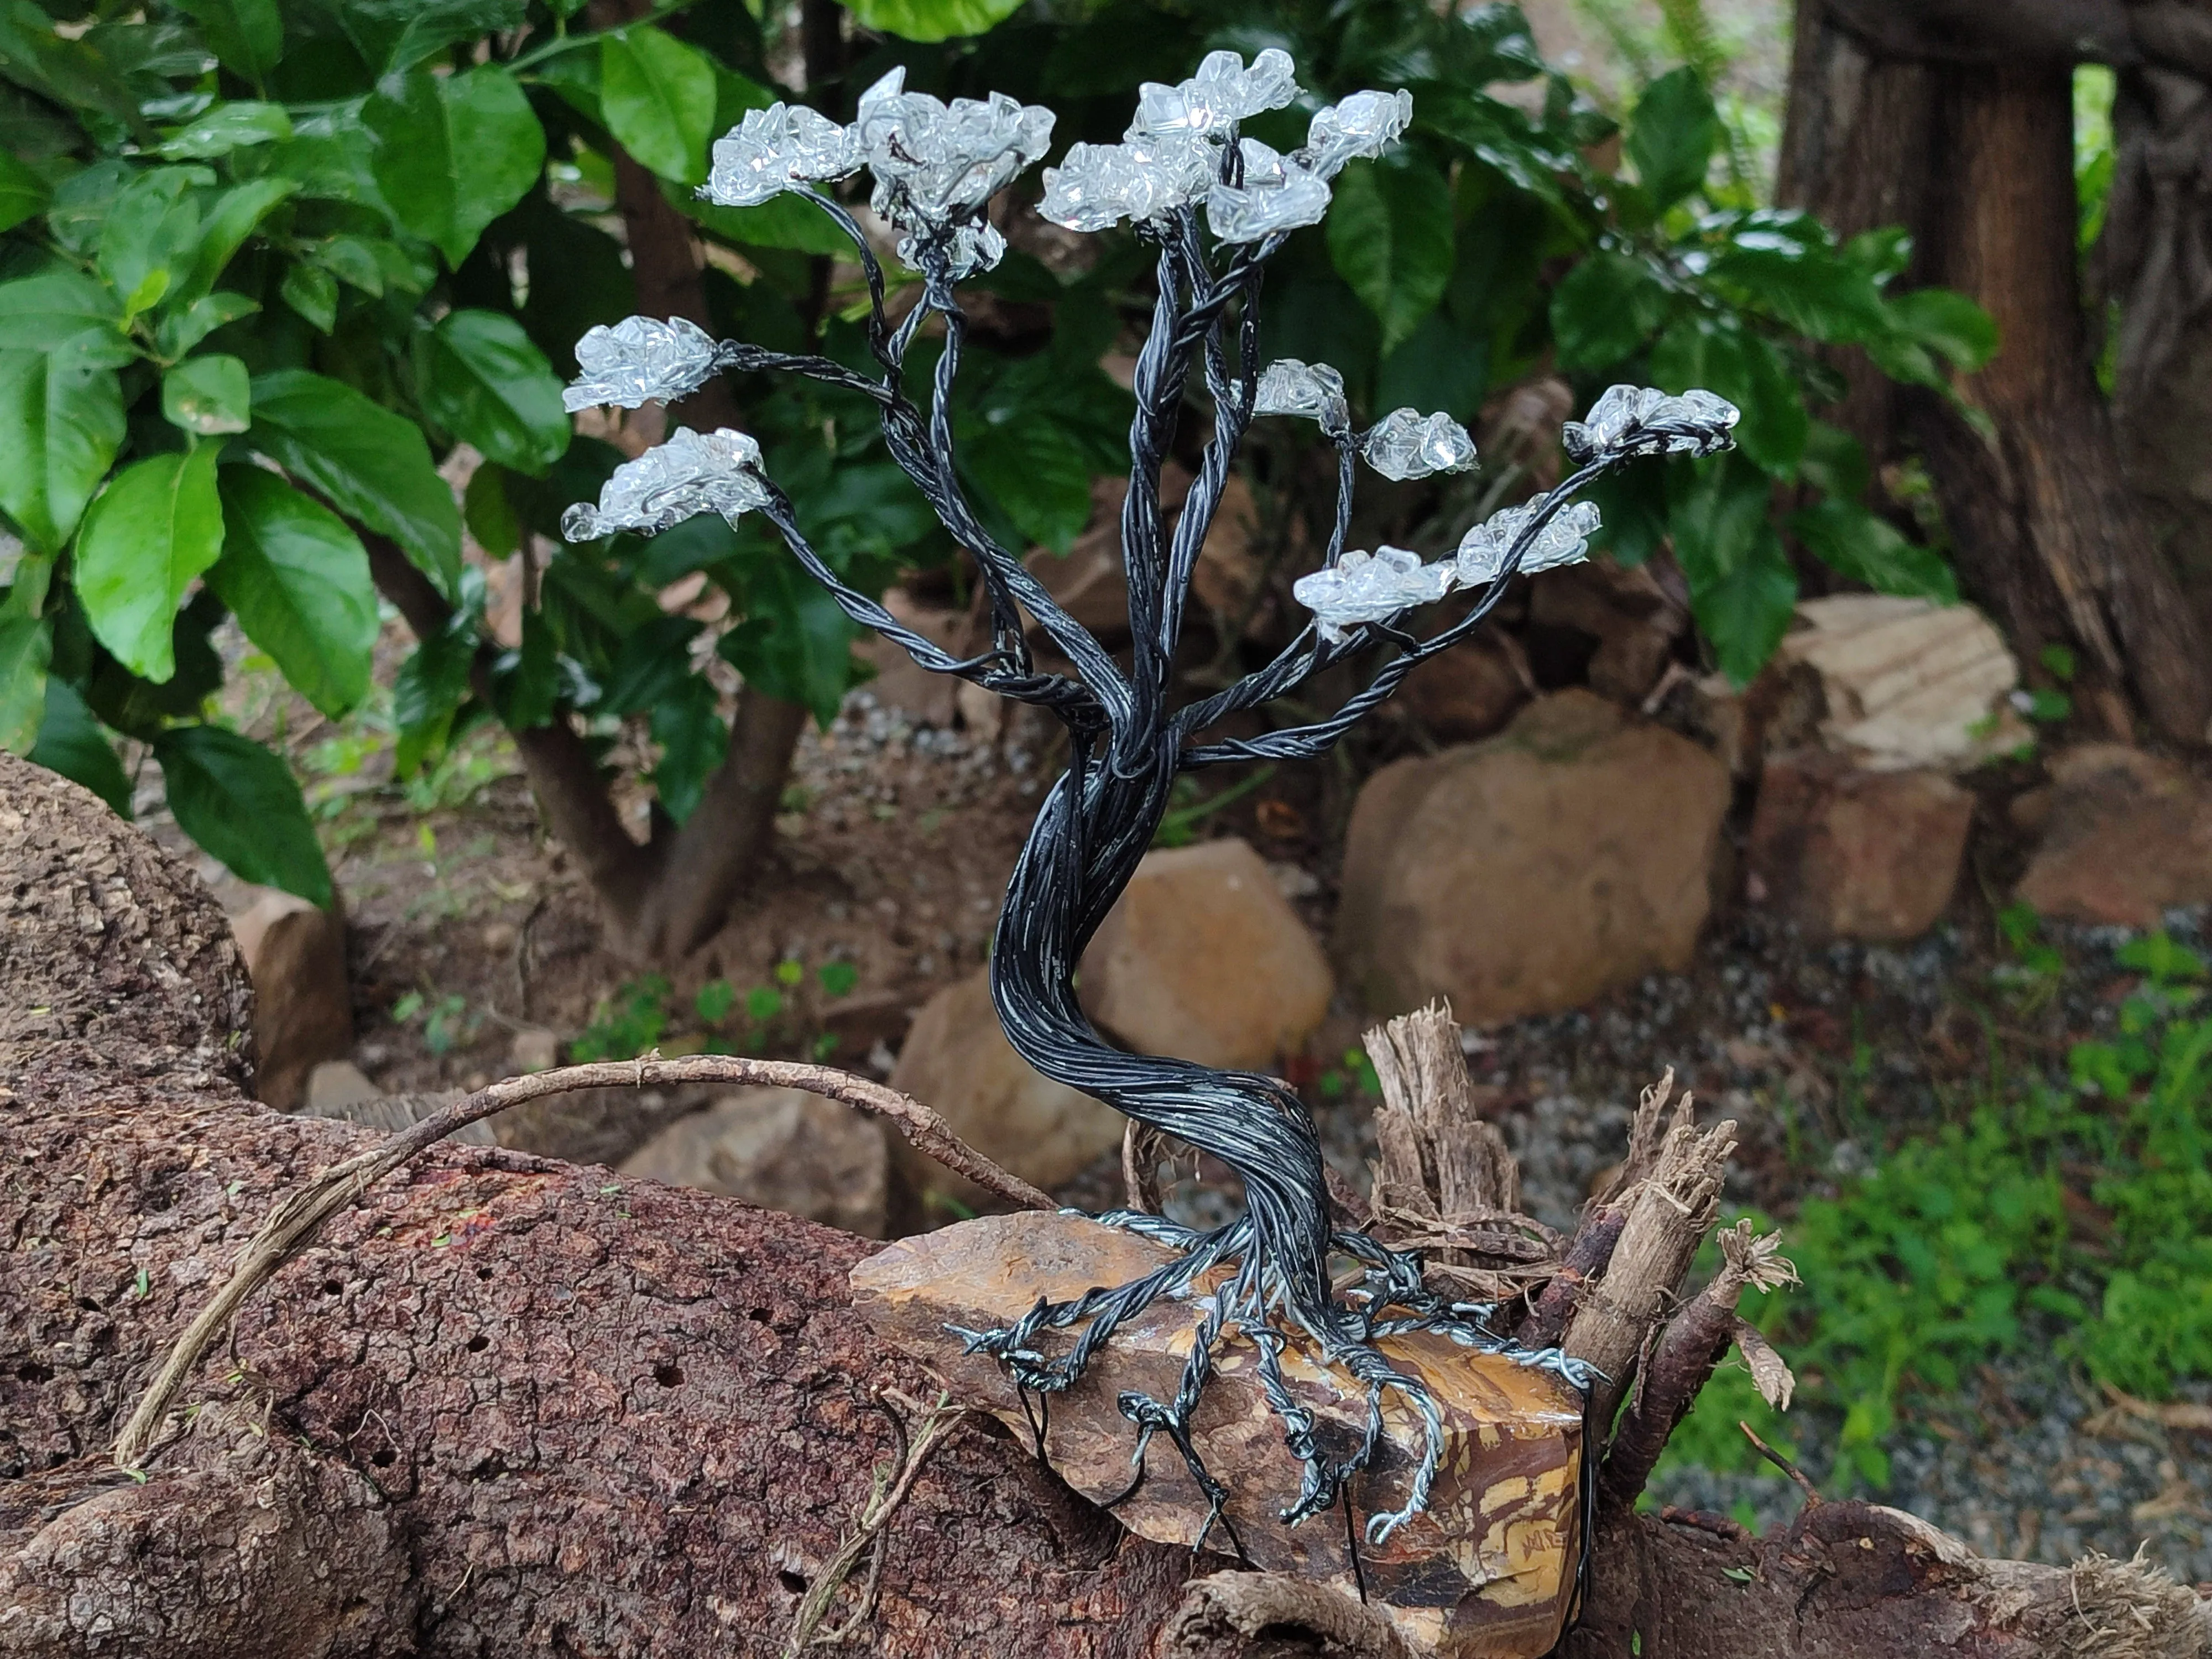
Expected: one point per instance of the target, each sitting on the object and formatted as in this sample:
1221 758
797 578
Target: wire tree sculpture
1218 206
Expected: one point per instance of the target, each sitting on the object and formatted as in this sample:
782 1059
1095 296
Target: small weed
447 1024
772 1018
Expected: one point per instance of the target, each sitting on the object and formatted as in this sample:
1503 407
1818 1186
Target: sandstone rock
1849 853
335 1085
1634 621
303 1002
533 1049
1571 853
2125 834
1487 1573
339 1089
781 1149
1202 959
903 685
957 1060
1470 690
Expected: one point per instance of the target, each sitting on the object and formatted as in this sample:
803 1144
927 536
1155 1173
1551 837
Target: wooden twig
299 1215
1812 1493
1140 1166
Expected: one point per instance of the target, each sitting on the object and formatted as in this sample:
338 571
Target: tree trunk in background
1976 159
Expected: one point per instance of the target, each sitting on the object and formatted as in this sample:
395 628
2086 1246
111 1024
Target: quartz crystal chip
1407 444
1364 588
774 148
969 248
1277 194
1096 185
1365 123
693 472
1640 421
1223 92
937 164
1565 540
1314 391
641 360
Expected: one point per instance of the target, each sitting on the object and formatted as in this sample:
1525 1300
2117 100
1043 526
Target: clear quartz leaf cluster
1484 550
1277 194
1632 420
1363 587
937 164
1095 186
1313 391
641 360
693 472
1223 92
775 149
1407 444
1365 123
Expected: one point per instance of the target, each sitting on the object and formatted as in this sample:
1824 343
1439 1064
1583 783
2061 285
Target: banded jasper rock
1488 1572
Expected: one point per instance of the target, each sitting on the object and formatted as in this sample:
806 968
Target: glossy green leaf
27 650
152 235
795 643
488 511
246 35
1742 590
1437 367
426 695
72 742
178 332
313 294
1605 309
151 531
1949 323
1673 136
781 222
527 691
23 194
61 425
236 214
1820 294
370 464
1390 237
1719 355
656 98
453 152
297 580
227 127
426 27
354 260
208 396
692 740
1835 463
1037 475
239 802
1849 539
39 312
482 379
934 19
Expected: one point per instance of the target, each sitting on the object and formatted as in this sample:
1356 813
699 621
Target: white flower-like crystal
1223 92
1632 420
1314 391
1277 194
1364 588
1407 444
1565 540
693 472
1096 185
641 360
937 164
775 148
969 248
1365 123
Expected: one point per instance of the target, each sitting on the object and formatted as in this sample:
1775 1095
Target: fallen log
505 1406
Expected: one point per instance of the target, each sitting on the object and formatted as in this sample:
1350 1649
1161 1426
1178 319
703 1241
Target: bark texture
513 1406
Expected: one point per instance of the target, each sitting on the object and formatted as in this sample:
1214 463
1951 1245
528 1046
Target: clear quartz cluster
1565 540
641 360
1363 588
1365 123
937 164
693 472
1313 391
775 150
1632 420
1277 194
1407 444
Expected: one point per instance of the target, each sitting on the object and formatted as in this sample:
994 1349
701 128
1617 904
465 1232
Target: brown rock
1631 617
901 684
1089 581
302 1003
1569 854
1488 1572
781 1149
2125 836
957 1060
1470 690
1852 854
1202 959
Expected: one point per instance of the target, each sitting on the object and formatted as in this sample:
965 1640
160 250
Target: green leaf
27 650
37 313
453 152
1849 539
1816 293
656 98
72 742
246 35
781 222
152 235
1037 475
297 579
312 293
427 28
372 464
178 332
1438 367
354 260
489 512
1947 322
23 194
1606 308
1742 591
239 802
1390 237
934 19
692 740
1835 464
61 425
208 396
427 694
1720 355
1673 136
227 127
151 531
236 214
481 379
793 644
527 692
